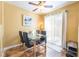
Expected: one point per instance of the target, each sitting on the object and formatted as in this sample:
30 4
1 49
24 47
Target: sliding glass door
53 27
57 29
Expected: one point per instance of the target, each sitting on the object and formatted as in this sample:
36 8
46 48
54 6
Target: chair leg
34 49
39 48
45 49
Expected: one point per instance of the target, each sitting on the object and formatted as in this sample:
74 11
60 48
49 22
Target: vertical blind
55 26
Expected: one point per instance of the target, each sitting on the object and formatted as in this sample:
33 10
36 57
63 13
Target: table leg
45 49
34 49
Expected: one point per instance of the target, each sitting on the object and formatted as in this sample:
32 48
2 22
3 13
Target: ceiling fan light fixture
41 7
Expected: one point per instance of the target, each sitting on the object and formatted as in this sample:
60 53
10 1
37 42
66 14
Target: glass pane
48 27
58 29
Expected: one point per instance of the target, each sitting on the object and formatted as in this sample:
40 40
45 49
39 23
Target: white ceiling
41 10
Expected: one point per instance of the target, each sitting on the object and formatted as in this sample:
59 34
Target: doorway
54 29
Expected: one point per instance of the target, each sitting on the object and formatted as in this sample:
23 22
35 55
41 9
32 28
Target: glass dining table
34 39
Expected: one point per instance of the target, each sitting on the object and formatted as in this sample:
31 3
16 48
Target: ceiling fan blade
37 4
32 3
48 6
35 9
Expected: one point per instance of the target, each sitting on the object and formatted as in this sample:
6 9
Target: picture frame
27 20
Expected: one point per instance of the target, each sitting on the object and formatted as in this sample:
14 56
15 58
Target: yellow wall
40 22
13 23
1 27
0 12
72 28
72 22
0 23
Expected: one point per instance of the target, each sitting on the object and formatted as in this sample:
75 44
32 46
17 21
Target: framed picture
27 20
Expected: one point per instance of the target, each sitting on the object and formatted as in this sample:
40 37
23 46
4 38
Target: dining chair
43 32
43 40
21 37
29 43
38 31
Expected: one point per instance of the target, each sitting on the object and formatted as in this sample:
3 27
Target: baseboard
9 47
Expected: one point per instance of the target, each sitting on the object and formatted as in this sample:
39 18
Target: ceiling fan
40 3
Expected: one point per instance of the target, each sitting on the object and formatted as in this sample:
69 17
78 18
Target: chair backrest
38 31
21 36
43 32
43 38
26 39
